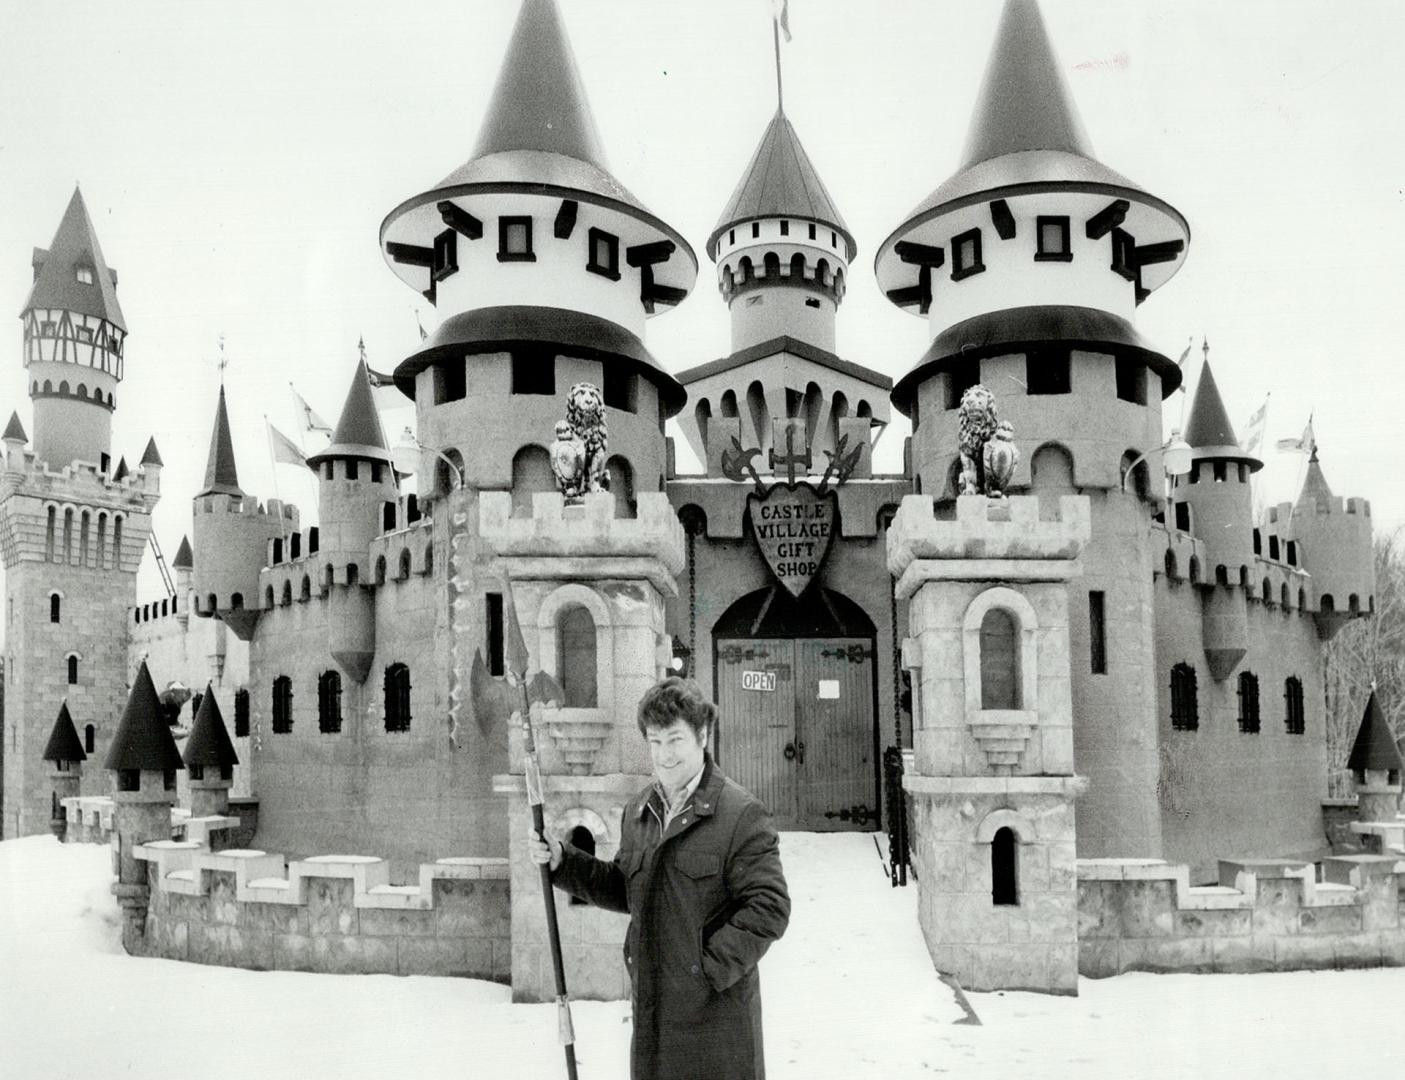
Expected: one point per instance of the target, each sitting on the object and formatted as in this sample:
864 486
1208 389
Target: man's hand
542 851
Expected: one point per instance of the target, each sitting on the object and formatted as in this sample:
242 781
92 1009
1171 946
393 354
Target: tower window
515 239
966 254
446 254
963 375
755 229
621 389
397 698
84 274
1097 632
450 381
329 702
241 714
1131 380
353 469
1053 240
72 670
533 373
1004 868
812 230
1185 707
1294 719
785 228
576 657
282 705
55 607
89 738
1248 703
731 236
1000 668
604 254
495 625
833 239
1048 371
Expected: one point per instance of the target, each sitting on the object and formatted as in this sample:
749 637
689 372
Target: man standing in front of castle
699 873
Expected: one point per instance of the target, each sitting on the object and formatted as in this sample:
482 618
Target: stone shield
793 525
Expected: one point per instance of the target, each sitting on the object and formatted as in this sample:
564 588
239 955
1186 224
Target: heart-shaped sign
793 525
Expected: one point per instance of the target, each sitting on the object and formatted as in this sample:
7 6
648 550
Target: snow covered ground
848 993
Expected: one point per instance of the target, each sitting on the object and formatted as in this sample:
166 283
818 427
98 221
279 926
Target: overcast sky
238 160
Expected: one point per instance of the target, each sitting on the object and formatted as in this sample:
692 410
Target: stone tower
1028 264
72 530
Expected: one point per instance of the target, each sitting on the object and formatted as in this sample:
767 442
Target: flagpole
776 37
273 467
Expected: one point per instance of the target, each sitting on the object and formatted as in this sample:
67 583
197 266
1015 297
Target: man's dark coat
705 901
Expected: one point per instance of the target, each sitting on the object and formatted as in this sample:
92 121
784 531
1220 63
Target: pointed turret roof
359 433
1375 747
151 456
1315 486
56 283
209 740
221 476
143 739
64 744
14 430
781 181
184 560
1208 430
120 473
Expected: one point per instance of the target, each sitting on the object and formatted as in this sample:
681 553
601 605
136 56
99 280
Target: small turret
1376 765
15 440
73 342
64 751
209 759
1333 539
357 480
151 466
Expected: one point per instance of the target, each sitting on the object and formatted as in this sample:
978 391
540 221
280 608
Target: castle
1119 661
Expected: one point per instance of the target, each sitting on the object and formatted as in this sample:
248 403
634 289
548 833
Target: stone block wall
1266 915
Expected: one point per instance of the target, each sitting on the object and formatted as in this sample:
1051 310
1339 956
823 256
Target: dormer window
1053 240
604 254
515 240
446 254
966 255
84 275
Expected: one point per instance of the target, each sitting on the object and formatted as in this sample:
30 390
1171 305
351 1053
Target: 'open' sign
759 680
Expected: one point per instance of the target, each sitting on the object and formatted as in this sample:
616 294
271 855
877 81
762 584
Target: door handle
800 751
790 751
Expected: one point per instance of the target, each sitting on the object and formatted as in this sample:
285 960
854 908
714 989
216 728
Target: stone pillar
139 817
65 783
209 796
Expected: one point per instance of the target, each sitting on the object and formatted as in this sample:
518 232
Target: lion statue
585 417
976 424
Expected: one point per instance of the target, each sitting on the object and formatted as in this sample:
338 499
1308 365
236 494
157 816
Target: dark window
1183 516
785 228
812 230
1185 706
1000 667
1248 703
1004 869
1053 240
1097 632
128 779
72 670
731 236
55 605
1047 371
446 254
353 471
375 479
451 383
1258 542
604 254
1217 469
533 373
620 389
755 229
495 628
1131 380
1294 719
282 705
833 239
241 714
1292 546
329 702
576 658
966 254
327 470
397 698
515 239
89 738
1273 548
963 375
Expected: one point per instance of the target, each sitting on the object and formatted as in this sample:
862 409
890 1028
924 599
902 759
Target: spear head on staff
495 700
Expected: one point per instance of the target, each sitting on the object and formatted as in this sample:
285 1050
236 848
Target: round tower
1333 537
546 269
356 480
781 248
73 343
64 752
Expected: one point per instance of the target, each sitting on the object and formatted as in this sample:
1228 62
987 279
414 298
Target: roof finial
780 21
1205 349
361 347
223 360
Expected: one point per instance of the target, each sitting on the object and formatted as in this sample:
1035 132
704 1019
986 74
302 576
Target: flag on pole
307 416
1185 355
1254 429
420 325
1303 444
781 13
284 449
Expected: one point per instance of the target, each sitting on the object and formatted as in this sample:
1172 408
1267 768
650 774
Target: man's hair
673 699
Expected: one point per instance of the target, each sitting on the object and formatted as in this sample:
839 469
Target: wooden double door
796 728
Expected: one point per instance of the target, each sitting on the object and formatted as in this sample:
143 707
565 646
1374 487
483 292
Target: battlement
248 506
292 547
987 530
1337 504
587 530
1183 555
149 619
80 481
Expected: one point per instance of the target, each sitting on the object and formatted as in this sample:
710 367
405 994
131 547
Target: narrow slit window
1185 708
966 254
282 705
329 702
1295 720
495 627
1004 868
1248 703
1053 240
1097 632
241 714
604 254
397 698
515 239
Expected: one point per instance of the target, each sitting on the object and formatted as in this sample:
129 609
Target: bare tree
1368 652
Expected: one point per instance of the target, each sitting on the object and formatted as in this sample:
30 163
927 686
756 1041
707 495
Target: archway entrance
796 686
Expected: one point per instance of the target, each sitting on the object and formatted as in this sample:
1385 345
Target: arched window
771 263
55 607
282 705
117 542
83 539
531 474
1267 595
287 596
329 702
268 597
429 558
746 268
72 670
380 570
1194 570
797 267
353 573
90 735
305 588
1248 703
759 412
1004 868
1051 469
838 410
241 714
397 698
622 487
1294 719
1185 705
1284 596
49 535
236 601
1000 675
583 840
68 536
701 415
404 563
1171 569
575 644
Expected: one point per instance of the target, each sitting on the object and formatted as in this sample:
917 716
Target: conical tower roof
1315 486
120 473
14 430
781 181
221 476
359 433
56 283
1208 430
209 739
143 739
64 744
1375 747
151 456
184 559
